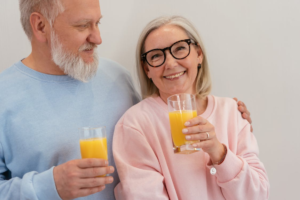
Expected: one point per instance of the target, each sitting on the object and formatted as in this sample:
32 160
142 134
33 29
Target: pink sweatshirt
148 168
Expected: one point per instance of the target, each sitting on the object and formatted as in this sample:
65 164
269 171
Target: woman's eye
155 56
180 48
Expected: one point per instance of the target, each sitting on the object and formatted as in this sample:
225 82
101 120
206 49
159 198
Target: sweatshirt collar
41 76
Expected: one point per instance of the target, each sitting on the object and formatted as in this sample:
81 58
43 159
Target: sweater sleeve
242 175
138 167
31 186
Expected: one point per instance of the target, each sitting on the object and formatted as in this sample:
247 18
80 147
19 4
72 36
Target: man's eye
83 26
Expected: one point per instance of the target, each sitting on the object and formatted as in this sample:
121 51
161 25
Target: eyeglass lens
178 50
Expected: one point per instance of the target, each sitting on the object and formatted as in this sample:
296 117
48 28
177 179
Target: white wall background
253 52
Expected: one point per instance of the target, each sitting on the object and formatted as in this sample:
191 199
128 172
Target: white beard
72 64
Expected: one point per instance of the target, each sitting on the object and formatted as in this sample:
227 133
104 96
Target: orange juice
177 120
94 148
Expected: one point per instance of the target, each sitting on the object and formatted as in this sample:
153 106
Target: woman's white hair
50 9
148 88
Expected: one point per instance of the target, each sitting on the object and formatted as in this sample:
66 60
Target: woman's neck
201 105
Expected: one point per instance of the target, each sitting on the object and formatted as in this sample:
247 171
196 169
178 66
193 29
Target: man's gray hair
50 9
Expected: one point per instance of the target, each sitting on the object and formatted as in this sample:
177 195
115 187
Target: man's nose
95 36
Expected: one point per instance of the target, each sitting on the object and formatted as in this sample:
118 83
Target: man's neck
42 62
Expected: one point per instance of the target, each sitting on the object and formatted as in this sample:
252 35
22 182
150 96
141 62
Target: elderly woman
142 146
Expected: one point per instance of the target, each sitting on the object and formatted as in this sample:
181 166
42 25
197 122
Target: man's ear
39 26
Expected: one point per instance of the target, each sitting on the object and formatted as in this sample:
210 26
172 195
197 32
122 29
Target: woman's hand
199 128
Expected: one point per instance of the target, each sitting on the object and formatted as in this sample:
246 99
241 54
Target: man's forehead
80 8
80 3
79 11
85 19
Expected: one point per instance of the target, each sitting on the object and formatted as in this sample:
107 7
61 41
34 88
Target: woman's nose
170 61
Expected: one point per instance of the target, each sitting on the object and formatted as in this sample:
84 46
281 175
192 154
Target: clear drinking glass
93 143
182 107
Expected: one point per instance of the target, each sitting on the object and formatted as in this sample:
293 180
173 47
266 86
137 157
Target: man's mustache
88 46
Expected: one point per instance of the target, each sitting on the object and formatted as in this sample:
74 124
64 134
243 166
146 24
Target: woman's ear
146 69
200 54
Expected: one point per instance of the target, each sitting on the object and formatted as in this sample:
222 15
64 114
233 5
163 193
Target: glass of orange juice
93 142
182 107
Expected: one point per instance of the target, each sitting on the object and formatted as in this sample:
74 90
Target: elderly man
48 95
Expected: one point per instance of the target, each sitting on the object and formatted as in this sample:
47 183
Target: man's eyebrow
86 20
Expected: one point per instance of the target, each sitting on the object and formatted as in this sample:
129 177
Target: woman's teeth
175 76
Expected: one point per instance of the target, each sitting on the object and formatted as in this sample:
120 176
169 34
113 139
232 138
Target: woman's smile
175 76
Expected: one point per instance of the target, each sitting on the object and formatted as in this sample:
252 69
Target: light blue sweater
40 117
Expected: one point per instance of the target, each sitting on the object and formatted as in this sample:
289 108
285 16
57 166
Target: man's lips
89 51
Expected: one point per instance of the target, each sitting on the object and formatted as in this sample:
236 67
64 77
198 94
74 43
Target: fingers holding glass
201 136
182 108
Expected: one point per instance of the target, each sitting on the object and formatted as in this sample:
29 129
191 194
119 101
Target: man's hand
245 113
78 178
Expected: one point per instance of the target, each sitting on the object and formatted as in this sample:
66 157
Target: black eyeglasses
179 50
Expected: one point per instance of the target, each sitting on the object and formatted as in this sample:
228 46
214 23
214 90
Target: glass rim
88 133
91 128
179 94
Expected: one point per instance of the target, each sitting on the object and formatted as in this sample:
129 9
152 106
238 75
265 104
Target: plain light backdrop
252 49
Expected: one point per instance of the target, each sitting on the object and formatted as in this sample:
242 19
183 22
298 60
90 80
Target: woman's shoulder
225 101
225 105
142 112
227 109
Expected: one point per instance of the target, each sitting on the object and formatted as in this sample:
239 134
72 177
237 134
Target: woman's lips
174 76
